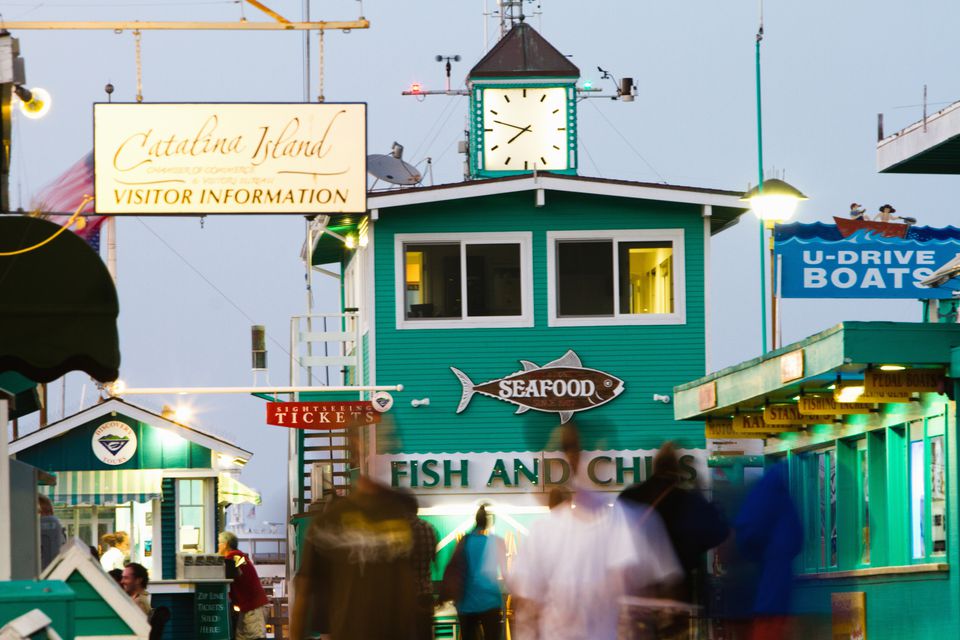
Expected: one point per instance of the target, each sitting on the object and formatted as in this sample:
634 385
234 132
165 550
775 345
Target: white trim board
75 556
522 238
679 315
482 188
115 405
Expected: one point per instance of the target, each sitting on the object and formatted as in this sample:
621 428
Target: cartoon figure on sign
563 386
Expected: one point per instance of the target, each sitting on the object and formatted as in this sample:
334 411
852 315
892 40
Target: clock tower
523 108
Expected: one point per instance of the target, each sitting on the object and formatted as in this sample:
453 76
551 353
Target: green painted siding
182 624
168 529
94 617
73 451
650 359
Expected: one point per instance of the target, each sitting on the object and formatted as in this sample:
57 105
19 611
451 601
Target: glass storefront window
864 514
917 491
91 523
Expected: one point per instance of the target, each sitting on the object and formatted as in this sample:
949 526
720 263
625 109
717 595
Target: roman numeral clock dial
525 129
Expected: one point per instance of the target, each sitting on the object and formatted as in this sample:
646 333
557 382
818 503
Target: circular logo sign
114 442
381 401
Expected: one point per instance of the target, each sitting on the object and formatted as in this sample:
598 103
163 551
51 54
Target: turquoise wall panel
94 617
168 529
650 359
156 449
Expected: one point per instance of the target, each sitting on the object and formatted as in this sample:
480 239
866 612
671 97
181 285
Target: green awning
58 304
24 390
105 488
232 491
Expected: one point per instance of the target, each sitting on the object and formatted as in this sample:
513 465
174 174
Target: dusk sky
189 291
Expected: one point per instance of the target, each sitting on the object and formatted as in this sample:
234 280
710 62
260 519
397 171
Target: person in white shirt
114 549
572 570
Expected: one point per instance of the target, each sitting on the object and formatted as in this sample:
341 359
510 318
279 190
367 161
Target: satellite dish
392 168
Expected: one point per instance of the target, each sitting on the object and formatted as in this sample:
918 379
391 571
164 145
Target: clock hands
521 131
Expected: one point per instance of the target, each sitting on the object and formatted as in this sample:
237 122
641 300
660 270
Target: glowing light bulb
38 105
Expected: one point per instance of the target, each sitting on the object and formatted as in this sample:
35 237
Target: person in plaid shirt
422 558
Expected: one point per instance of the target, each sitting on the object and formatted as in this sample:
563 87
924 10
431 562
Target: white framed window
616 277
463 280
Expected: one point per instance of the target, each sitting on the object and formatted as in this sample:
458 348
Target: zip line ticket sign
199 159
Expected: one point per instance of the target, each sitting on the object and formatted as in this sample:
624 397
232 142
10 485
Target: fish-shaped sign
563 386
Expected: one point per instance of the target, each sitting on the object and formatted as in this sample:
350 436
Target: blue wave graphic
830 233
862 239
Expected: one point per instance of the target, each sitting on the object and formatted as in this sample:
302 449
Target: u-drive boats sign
563 386
180 159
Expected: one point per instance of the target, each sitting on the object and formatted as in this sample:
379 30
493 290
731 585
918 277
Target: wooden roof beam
344 25
267 10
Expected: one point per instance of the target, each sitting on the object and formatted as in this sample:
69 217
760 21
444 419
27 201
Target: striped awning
232 491
113 487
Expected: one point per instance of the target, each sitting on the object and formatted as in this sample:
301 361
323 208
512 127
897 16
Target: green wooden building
874 475
525 270
120 467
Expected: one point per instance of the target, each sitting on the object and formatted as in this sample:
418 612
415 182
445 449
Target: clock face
525 129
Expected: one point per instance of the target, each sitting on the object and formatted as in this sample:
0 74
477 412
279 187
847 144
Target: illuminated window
464 280
616 277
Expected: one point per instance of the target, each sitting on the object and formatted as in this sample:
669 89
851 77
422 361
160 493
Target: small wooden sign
722 428
876 396
906 381
827 406
708 396
791 366
849 615
321 415
786 415
754 423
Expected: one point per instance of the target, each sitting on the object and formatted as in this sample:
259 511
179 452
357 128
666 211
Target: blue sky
829 69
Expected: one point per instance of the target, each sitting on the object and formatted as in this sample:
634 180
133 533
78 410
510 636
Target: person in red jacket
246 593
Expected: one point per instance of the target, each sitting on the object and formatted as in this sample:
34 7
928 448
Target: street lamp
34 103
775 202
772 201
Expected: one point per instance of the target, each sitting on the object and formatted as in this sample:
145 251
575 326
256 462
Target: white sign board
527 471
114 442
183 159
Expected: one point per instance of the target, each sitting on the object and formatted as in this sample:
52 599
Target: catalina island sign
563 386
183 159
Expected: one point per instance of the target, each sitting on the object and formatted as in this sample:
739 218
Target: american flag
59 200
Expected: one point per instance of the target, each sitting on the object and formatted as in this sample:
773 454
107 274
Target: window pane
433 280
832 458
864 503
646 277
493 280
822 507
585 278
917 498
938 496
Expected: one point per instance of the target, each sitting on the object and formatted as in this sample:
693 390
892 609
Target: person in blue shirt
480 608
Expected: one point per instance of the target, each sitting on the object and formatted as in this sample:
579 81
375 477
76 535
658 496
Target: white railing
320 341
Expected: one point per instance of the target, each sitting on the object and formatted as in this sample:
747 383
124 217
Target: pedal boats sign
183 159
563 386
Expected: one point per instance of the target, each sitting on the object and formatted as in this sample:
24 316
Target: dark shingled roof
524 52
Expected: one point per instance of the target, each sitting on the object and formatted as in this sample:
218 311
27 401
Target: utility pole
11 74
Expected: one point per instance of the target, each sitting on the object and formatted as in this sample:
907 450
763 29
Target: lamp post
772 201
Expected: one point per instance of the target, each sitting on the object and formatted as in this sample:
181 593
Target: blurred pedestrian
572 571
116 574
114 548
134 581
422 557
356 580
480 606
246 593
693 524
769 533
52 534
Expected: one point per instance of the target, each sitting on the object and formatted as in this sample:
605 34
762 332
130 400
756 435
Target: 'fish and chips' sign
182 159
563 386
